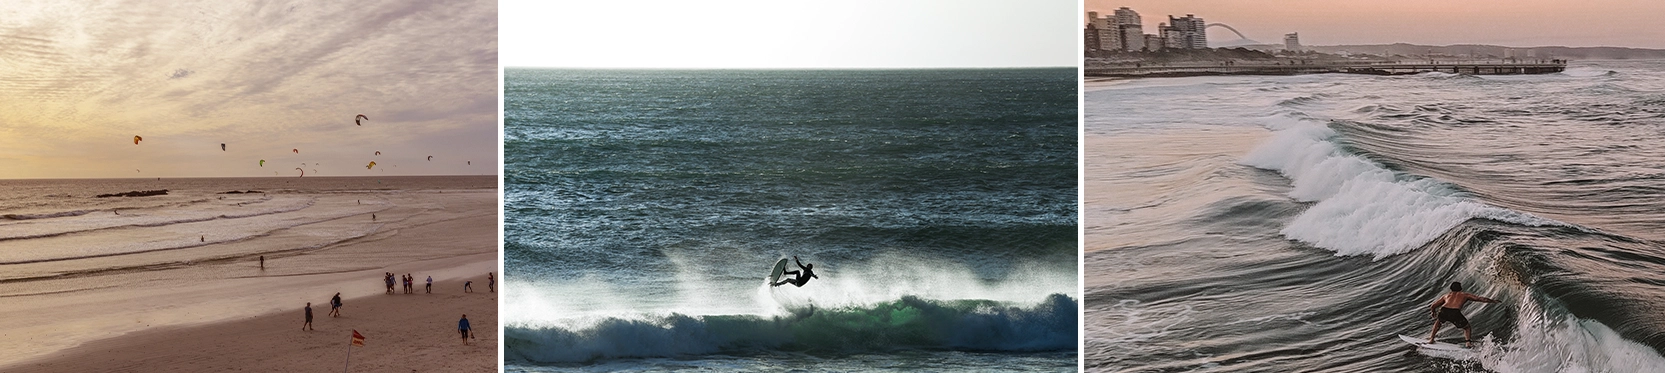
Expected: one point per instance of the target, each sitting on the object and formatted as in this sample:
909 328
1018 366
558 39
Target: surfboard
780 267
1423 343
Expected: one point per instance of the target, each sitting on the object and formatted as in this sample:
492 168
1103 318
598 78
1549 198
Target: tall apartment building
1292 41
1130 29
1188 32
1101 34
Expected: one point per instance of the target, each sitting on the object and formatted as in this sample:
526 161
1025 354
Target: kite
358 118
297 151
262 163
136 139
378 152
470 163
430 158
303 172
371 165
222 147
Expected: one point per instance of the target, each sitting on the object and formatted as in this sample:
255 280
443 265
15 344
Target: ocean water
644 209
1300 223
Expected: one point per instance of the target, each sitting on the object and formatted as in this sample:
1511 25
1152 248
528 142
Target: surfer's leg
1468 337
1436 330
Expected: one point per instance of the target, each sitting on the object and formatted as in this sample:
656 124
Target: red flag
358 339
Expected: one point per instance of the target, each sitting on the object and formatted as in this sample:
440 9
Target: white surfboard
780 268
1423 343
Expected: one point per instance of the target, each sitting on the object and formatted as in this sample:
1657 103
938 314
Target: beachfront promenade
1131 70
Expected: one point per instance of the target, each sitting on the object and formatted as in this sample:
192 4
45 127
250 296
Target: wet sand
403 333
153 316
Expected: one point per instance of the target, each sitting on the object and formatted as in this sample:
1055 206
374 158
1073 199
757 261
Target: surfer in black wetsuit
1449 308
801 278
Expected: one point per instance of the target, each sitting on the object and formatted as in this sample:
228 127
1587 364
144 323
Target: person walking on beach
1449 308
430 287
389 280
462 327
335 305
308 324
468 286
491 282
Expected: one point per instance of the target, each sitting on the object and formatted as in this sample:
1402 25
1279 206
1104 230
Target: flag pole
349 355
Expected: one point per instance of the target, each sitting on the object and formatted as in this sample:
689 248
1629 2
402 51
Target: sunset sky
790 34
80 79
1515 23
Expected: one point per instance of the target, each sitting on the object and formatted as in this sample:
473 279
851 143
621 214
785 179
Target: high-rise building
1292 41
1153 42
1130 29
1186 32
1101 34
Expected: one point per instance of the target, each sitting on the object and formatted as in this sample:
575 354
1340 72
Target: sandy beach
211 307
403 333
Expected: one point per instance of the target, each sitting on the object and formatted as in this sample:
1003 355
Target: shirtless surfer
801 277
1449 308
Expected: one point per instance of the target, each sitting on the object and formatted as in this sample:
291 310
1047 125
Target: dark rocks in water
136 193
242 192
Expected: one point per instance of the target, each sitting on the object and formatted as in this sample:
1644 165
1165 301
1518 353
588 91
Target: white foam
1544 343
1363 208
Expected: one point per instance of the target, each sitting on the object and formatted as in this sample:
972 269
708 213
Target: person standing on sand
430 287
389 280
308 324
1449 308
491 282
468 286
462 327
262 262
335 305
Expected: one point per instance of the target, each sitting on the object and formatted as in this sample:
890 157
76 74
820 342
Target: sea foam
1361 207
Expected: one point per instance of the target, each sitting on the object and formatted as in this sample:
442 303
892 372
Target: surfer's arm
1481 299
795 260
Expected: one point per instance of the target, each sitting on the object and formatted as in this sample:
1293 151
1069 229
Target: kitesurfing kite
136 139
262 163
297 151
303 172
359 118
470 163
430 158
222 147
378 152
371 165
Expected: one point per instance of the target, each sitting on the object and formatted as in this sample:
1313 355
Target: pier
1371 68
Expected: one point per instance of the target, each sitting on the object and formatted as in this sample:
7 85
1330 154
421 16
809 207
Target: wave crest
906 323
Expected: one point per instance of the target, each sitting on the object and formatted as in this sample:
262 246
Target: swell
162 223
908 323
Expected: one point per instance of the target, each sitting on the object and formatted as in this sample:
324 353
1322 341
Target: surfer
801 277
1449 308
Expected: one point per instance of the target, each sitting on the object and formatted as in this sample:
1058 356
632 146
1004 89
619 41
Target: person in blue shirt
462 327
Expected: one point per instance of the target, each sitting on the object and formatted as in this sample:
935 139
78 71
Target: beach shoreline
402 332
323 238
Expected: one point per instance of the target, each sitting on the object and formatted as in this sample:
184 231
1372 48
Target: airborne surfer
801 277
1449 308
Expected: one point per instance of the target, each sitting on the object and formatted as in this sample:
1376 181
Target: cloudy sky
790 34
1515 23
79 79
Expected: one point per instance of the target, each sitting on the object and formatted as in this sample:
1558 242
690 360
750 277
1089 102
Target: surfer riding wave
801 277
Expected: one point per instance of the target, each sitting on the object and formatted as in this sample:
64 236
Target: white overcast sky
790 33
78 79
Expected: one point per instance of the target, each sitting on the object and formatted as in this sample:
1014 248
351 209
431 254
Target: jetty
1370 68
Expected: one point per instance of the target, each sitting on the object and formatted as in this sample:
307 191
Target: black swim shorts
1454 316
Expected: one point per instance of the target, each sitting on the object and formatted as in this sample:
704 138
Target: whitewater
1301 223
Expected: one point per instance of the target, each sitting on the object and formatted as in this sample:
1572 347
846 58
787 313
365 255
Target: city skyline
279 82
1531 23
790 35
